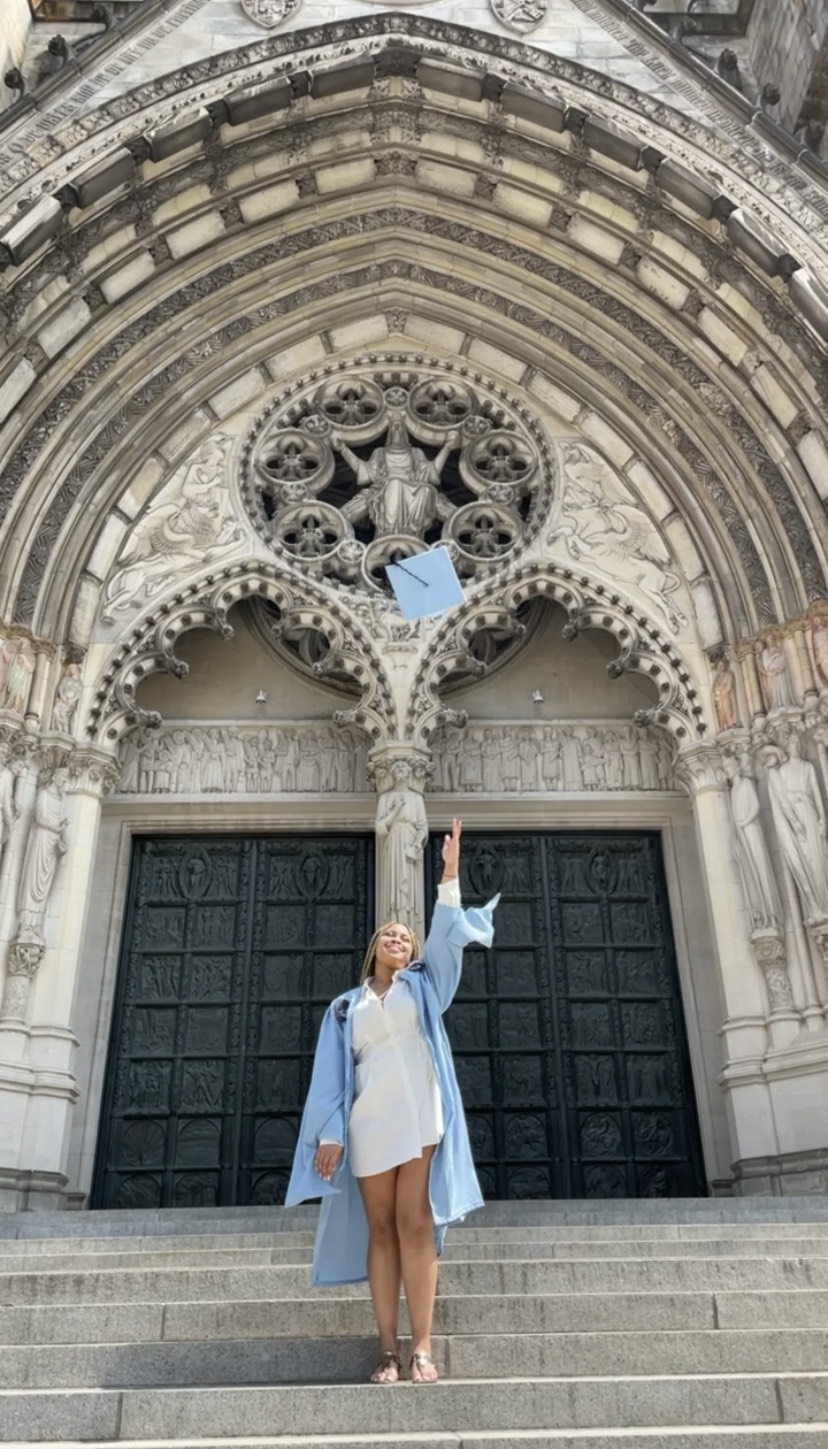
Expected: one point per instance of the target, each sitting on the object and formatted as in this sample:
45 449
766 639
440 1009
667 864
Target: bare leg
418 1256
379 1197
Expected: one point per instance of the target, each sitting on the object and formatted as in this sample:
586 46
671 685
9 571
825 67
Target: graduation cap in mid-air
425 584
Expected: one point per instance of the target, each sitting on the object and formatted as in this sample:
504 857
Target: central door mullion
558 1067
238 1165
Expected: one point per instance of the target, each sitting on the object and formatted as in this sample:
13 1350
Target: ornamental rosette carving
387 459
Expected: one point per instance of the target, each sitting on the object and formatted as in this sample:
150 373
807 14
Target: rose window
384 460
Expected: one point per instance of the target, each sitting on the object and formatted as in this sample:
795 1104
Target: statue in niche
799 817
67 698
403 831
723 690
44 848
761 891
8 807
188 524
819 648
402 482
773 671
19 658
604 526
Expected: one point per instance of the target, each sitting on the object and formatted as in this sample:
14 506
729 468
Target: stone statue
66 699
402 482
819 649
8 809
724 704
799 817
761 891
44 848
773 669
19 671
402 828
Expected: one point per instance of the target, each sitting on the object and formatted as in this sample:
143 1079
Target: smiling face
394 948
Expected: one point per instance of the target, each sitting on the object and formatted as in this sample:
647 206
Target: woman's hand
451 851
326 1159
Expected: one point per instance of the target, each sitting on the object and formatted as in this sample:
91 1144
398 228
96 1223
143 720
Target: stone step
623 1212
455 1406
289 1282
349 1359
322 1316
724 1436
300 1254
719 1233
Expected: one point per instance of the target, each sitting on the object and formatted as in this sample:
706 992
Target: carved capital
399 766
24 958
769 950
819 931
93 772
699 768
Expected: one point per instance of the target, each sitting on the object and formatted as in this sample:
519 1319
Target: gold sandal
421 1359
390 1358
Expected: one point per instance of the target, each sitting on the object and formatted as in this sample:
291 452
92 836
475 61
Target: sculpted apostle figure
44 848
402 481
724 704
403 831
761 891
773 668
8 809
799 817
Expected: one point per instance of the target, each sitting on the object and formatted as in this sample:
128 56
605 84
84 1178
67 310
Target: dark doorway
232 950
569 1034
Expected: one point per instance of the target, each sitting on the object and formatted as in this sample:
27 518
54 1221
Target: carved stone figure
19 670
819 649
773 670
402 481
799 817
8 808
44 848
630 764
648 757
604 525
188 524
402 829
724 702
761 892
66 699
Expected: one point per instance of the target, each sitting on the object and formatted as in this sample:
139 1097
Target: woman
383 1138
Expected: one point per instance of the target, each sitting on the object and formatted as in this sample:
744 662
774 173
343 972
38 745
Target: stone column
400 772
41 984
744 1031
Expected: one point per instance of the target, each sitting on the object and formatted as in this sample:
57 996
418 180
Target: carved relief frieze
189 523
601 524
530 759
230 759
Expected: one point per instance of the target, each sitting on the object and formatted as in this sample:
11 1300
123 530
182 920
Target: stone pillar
400 773
744 1031
38 1088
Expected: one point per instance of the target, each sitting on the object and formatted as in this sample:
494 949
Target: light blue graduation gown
341 1247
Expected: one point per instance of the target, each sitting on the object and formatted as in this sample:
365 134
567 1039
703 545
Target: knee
414 1227
382 1229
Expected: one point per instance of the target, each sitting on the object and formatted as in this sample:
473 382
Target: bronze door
233 947
568 1035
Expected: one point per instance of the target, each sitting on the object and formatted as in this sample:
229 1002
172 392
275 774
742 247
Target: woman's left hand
451 851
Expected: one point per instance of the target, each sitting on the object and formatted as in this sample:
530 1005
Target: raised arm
452 928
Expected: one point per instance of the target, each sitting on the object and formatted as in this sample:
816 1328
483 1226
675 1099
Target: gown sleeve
324 1114
452 928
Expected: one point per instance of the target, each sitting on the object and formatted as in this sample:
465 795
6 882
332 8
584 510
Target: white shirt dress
397 1108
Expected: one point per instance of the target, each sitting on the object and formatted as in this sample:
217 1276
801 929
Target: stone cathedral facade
291 291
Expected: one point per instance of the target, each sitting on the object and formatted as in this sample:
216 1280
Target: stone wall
785 42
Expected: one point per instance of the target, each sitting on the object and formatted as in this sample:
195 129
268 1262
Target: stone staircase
643 1325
